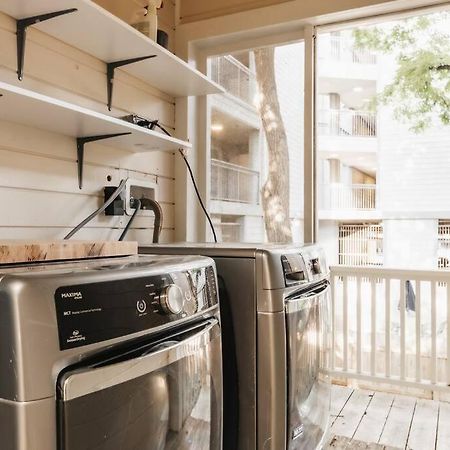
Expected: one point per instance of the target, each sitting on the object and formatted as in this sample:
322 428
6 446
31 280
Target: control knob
172 299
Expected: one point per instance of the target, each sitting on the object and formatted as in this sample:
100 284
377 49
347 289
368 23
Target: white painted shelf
99 33
46 113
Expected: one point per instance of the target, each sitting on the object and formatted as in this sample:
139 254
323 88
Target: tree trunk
275 192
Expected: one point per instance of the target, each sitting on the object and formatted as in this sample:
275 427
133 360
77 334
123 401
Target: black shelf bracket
21 31
112 66
81 141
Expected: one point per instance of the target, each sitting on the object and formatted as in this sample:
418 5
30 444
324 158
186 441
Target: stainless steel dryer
111 354
275 325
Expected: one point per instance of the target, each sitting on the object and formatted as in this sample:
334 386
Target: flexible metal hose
153 205
114 195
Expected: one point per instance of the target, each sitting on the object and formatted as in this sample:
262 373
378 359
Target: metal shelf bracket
112 66
21 31
81 141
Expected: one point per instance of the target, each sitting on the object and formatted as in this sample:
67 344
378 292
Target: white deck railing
234 183
236 78
347 197
391 326
336 122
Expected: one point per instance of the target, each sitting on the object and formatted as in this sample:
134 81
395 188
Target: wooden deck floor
376 420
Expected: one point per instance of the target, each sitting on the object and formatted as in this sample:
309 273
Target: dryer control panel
90 313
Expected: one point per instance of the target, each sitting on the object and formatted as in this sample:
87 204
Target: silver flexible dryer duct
153 205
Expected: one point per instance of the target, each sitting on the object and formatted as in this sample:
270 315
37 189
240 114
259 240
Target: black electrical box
116 208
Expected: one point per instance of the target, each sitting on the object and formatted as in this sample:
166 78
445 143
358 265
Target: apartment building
373 173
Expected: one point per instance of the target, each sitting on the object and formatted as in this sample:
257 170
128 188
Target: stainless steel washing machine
276 343
121 353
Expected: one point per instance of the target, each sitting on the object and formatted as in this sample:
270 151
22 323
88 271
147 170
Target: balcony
342 49
236 78
335 122
347 131
444 244
229 231
348 202
390 325
389 332
234 183
374 420
339 59
337 196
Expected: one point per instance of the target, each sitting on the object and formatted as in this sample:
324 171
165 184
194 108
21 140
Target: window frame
193 114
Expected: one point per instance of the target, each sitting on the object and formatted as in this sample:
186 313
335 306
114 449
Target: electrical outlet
137 189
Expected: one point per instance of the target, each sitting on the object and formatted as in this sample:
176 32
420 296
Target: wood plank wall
39 195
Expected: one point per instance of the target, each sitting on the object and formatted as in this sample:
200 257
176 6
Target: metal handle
89 380
298 302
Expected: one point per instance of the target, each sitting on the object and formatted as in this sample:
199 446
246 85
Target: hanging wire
137 205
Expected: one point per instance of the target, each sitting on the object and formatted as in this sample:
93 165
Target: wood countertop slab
20 251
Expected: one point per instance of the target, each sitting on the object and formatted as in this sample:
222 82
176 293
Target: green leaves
420 90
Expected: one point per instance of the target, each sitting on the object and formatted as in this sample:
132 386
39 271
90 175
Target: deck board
339 397
398 423
374 421
347 423
424 425
443 432
380 421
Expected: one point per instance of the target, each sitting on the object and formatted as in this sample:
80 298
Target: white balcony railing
361 244
337 196
340 48
236 78
230 231
336 122
234 183
444 244
391 326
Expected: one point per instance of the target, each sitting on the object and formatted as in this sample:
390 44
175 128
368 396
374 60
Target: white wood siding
38 173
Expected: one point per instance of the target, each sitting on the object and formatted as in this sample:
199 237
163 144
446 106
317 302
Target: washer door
161 396
307 327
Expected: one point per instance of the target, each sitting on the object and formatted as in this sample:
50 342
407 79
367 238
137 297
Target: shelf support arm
21 31
81 141
112 66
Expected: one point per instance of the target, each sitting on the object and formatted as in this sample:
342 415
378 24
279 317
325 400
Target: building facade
378 204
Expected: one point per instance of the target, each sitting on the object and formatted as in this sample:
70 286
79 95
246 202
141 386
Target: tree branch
440 67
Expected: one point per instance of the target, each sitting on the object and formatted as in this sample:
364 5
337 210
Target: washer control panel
90 313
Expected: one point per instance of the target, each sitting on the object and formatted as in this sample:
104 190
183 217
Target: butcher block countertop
18 251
